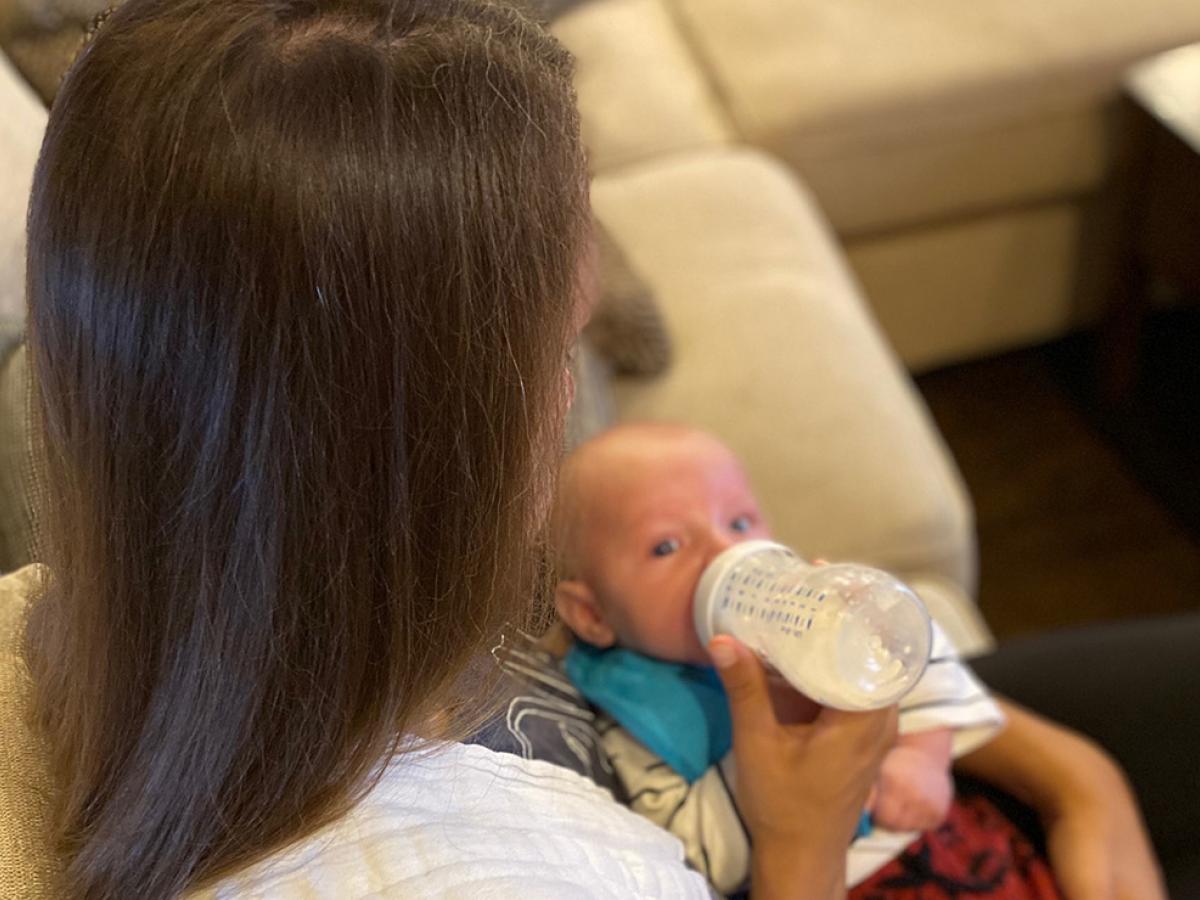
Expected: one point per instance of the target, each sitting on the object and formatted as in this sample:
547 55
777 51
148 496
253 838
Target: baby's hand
914 790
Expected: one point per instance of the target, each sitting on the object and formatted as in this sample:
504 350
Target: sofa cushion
776 353
900 112
21 127
951 291
641 92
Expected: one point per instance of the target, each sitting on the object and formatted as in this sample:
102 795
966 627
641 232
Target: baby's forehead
634 452
633 443
645 465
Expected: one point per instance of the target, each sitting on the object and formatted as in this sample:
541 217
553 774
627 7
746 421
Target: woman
301 287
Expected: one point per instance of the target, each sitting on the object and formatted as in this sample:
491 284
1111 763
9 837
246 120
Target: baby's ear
576 605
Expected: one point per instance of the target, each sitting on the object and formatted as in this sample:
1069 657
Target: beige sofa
958 149
773 344
781 170
776 351
775 347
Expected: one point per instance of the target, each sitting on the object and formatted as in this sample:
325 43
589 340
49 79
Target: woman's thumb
745 682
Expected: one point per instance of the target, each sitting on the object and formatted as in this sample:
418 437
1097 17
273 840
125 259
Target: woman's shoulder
29 867
16 589
461 818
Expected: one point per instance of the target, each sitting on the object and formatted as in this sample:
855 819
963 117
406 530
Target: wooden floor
1081 517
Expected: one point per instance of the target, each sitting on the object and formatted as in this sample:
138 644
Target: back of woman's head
301 277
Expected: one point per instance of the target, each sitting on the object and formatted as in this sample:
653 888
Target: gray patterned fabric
544 716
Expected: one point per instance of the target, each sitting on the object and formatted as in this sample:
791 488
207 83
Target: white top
455 822
465 821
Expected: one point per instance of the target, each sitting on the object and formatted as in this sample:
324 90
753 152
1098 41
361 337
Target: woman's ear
576 605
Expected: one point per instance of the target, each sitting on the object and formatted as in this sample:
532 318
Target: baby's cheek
690 649
668 633
678 631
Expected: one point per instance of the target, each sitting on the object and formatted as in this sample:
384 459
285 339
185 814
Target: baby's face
669 506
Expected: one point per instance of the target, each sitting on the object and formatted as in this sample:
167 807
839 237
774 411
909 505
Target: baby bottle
847 636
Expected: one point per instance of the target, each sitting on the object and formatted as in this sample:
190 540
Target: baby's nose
718 542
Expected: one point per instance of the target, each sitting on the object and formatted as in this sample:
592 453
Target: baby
642 510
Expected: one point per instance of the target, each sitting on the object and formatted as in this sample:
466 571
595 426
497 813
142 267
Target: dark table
1161 207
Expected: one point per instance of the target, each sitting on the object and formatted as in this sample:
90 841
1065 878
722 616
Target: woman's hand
801 788
1095 838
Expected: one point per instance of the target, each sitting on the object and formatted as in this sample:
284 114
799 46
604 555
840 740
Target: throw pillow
550 10
627 327
43 57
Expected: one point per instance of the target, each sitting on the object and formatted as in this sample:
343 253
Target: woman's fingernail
722 653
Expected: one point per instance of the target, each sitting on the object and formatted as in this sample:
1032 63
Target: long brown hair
300 283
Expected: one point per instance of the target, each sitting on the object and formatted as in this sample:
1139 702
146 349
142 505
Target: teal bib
677 711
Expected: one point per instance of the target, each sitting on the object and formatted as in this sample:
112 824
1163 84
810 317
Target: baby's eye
741 524
665 548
